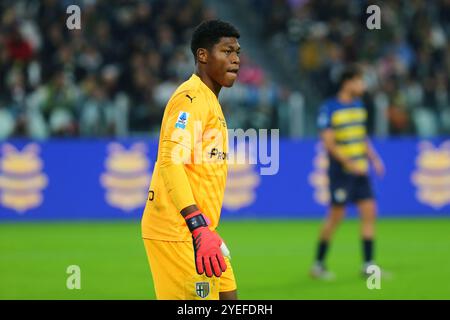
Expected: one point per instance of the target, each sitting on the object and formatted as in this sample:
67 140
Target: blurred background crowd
100 81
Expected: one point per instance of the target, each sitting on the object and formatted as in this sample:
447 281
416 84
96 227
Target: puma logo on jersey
190 97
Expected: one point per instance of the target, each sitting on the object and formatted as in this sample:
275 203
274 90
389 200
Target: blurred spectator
56 101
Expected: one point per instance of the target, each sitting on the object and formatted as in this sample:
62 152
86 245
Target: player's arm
208 245
375 158
177 147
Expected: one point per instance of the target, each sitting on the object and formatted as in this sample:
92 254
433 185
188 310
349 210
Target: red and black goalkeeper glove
207 246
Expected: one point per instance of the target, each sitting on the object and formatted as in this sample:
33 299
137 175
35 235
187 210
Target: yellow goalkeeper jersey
191 166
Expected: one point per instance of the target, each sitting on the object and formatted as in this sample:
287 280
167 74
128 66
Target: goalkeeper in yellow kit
187 257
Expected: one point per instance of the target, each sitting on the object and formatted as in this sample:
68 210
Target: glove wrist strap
195 220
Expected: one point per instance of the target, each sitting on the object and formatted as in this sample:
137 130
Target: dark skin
217 67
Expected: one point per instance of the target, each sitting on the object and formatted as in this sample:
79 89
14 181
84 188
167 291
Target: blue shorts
345 188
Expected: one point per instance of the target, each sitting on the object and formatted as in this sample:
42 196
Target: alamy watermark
374 20
374 277
74 279
73 21
236 147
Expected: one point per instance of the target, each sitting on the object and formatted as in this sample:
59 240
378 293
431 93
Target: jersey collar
197 79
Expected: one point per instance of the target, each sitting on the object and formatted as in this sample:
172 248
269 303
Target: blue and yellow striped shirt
348 122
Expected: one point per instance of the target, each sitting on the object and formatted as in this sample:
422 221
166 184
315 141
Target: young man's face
223 61
357 86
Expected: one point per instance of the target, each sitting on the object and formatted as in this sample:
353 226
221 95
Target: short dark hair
209 32
349 73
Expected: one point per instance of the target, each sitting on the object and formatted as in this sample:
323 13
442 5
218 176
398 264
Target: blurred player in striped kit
342 122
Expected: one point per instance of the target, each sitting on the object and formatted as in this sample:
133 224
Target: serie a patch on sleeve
182 120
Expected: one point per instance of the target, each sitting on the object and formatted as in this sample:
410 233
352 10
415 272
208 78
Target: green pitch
271 260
